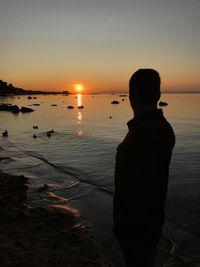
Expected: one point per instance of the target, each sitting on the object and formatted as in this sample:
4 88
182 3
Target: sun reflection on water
79 104
79 133
79 100
79 117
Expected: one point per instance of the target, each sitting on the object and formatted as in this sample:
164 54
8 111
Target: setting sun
78 87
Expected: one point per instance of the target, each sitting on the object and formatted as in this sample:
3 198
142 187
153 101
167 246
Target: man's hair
144 86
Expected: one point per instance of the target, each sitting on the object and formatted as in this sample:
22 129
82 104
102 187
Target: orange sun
78 87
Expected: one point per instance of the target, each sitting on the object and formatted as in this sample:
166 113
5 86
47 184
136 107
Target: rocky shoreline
55 235
51 236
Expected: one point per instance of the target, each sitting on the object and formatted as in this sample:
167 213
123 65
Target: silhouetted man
141 173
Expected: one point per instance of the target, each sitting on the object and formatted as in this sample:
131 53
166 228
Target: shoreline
56 235
52 236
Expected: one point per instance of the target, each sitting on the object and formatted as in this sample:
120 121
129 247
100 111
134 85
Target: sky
52 45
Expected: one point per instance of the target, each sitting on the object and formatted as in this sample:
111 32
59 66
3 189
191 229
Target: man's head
144 88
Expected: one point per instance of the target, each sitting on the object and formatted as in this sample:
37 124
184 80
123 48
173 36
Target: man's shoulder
157 130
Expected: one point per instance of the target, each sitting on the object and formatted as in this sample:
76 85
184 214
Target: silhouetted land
9 89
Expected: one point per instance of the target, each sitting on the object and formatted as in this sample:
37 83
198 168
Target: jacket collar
146 116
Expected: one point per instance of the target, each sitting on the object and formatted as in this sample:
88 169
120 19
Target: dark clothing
141 180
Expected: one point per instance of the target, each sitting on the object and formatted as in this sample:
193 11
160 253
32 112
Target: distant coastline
181 92
7 89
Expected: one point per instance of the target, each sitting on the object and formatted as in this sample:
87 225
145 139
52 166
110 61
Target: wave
170 253
185 244
74 173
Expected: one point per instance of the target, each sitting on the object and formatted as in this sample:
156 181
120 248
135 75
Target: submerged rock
25 110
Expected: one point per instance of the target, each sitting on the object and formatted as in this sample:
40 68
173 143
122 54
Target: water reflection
79 117
79 100
79 133
79 104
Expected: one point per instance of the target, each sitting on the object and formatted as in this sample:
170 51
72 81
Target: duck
49 134
5 133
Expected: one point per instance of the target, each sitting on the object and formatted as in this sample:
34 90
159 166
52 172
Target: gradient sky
53 44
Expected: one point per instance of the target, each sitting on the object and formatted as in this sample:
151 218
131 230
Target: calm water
77 161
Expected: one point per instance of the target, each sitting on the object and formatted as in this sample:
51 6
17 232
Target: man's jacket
142 170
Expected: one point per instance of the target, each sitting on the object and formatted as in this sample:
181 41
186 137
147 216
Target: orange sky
52 45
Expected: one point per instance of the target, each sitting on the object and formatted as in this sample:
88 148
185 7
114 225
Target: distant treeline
9 89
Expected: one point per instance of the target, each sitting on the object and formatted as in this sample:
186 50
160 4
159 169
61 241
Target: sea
74 165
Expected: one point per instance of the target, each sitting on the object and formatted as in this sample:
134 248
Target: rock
162 104
9 107
43 188
70 107
54 105
35 127
47 237
25 110
29 97
115 102
14 109
10 184
81 107
36 104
